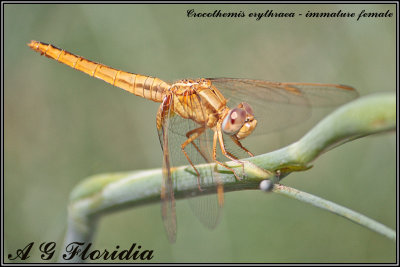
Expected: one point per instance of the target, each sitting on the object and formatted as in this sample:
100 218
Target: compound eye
247 107
234 121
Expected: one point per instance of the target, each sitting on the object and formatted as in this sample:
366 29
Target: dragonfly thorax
202 102
198 100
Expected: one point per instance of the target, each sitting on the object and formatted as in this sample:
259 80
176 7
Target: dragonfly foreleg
188 134
237 142
218 136
191 136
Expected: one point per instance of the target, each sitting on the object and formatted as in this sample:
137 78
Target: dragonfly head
239 121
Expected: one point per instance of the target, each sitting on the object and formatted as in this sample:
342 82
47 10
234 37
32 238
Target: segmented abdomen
144 86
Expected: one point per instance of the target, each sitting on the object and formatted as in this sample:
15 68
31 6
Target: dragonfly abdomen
145 86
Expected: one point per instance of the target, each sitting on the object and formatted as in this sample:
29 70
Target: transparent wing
314 94
279 105
167 189
196 141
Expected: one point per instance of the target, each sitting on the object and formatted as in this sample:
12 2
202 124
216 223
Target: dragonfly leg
236 159
218 136
188 134
220 188
193 135
237 142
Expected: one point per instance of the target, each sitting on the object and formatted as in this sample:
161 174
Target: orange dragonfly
197 111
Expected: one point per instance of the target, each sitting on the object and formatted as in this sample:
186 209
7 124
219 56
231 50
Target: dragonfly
197 111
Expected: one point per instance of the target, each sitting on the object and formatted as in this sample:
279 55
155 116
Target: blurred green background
62 126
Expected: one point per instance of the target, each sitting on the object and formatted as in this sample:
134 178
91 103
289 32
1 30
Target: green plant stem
105 193
335 208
